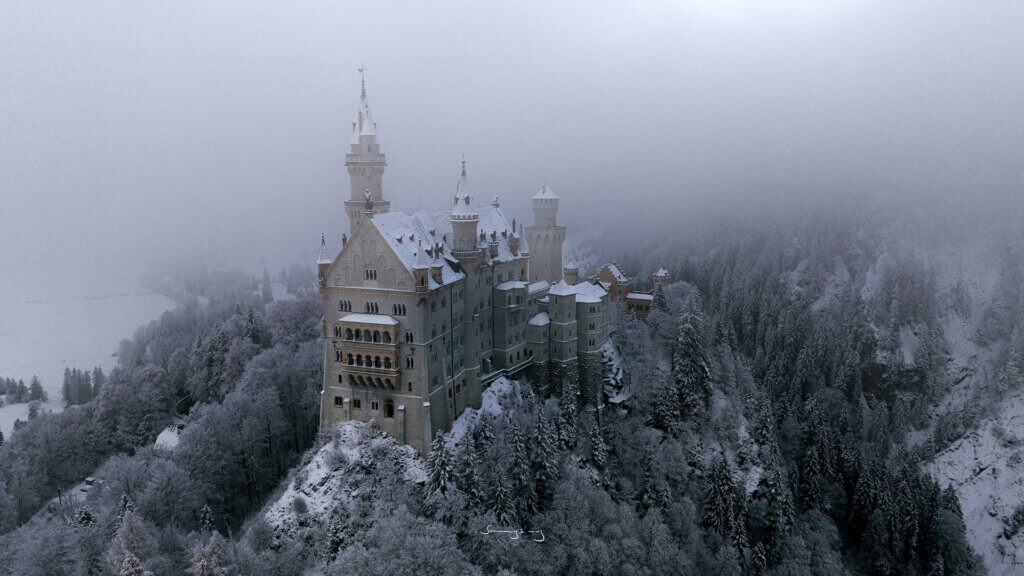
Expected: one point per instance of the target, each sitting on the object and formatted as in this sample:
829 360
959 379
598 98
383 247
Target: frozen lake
44 332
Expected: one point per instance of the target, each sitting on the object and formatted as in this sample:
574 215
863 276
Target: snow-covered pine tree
598 448
691 369
210 560
132 567
654 491
470 481
523 489
440 468
502 504
545 453
718 506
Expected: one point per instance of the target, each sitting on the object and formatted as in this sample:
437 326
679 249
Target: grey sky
136 133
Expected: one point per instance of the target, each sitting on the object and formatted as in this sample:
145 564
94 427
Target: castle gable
367 261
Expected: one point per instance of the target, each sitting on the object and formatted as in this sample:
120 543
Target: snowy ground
986 468
43 332
493 401
336 474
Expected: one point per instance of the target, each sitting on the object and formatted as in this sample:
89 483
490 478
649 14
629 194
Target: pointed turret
323 261
464 218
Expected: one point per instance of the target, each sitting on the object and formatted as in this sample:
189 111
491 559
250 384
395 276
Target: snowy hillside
358 459
986 468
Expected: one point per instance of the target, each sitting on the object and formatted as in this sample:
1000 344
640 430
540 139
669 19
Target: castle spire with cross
365 163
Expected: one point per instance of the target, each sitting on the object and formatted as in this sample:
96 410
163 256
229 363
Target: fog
140 135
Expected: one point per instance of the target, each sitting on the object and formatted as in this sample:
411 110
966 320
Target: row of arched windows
367 361
365 335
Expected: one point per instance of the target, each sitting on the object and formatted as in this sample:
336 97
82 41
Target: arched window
350 360
376 335
510 359
351 380
348 333
387 382
376 361
387 363
378 383
389 409
337 355
359 334
359 360
387 338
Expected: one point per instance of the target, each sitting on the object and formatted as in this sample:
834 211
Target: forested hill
772 416
248 374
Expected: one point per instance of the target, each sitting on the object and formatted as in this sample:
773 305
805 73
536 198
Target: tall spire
365 164
462 207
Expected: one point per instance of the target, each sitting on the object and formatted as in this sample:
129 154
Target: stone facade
423 310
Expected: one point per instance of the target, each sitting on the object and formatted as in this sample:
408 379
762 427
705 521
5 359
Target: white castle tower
365 163
545 238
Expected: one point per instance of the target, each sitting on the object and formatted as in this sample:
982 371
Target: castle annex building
422 310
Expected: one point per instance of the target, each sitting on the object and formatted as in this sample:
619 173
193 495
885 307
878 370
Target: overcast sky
135 134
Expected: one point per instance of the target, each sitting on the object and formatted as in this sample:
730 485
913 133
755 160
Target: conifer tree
469 477
690 366
132 567
210 560
598 448
36 391
502 505
522 480
440 469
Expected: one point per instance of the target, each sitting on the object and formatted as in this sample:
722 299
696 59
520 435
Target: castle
422 310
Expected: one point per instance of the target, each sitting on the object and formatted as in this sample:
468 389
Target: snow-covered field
44 332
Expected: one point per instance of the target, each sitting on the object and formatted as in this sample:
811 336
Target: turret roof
545 192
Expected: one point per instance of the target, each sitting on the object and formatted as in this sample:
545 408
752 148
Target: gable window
370 274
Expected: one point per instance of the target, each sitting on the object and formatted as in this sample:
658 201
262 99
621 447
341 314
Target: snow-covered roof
545 192
537 286
616 272
462 204
510 284
540 319
405 230
382 319
584 291
639 296
661 273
